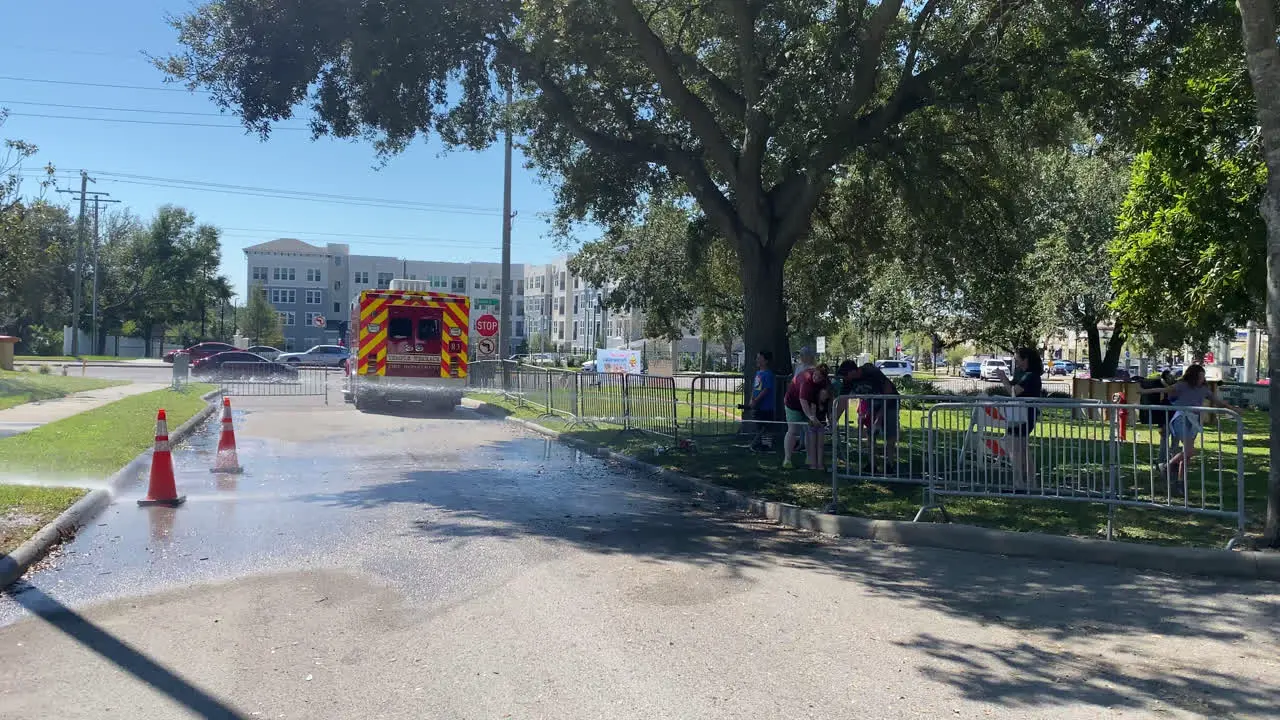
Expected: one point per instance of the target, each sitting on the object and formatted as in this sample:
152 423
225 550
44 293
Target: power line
112 109
309 233
116 86
144 122
294 194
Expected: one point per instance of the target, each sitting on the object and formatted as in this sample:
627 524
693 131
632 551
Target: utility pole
504 323
97 239
78 290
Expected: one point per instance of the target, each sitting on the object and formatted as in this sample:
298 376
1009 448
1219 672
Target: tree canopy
751 108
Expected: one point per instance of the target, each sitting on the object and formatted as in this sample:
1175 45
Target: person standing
1186 395
1026 384
761 406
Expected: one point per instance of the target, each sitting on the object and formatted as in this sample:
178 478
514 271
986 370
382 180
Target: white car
992 367
326 355
895 368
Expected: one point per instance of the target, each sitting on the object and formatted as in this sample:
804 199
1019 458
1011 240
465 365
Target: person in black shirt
1026 383
878 415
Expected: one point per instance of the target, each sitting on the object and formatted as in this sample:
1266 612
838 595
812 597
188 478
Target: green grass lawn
723 458
93 444
17 388
24 510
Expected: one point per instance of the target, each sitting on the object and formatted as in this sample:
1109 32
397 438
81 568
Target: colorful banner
622 362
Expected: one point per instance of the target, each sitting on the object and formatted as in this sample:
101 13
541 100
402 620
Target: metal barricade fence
562 393
267 379
601 398
484 376
1117 455
650 404
713 406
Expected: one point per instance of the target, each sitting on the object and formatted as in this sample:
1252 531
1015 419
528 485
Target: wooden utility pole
78 290
97 240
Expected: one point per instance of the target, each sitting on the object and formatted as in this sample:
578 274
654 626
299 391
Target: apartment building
303 281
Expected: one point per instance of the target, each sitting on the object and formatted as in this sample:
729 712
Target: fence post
626 402
549 381
675 413
326 387
1113 476
1240 524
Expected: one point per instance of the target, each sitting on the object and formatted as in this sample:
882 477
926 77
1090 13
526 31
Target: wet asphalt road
391 567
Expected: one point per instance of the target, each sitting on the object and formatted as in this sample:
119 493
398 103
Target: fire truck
408 344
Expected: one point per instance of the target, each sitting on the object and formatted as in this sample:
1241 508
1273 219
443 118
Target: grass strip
17 388
93 444
726 462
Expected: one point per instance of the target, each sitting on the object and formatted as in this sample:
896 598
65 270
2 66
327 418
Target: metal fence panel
1108 453
268 379
601 398
650 404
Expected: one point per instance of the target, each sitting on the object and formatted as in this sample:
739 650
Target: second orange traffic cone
162 489
228 461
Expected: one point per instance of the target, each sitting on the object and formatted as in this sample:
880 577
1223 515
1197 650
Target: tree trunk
1257 19
765 312
1095 350
1115 345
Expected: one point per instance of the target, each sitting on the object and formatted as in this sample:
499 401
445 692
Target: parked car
973 369
992 367
241 363
588 366
199 351
1062 367
895 368
265 351
326 355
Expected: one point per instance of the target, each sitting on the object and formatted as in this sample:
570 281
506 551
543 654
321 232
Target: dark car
973 369
199 351
1062 367
237 363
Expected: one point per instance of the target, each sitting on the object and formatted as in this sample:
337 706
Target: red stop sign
487 325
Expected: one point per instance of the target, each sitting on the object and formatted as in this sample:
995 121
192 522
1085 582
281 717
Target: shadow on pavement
123 655
1028 675
584 503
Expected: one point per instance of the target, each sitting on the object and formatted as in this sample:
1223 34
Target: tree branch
756 130
655 54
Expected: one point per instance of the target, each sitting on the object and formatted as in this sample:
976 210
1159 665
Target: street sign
486 302
487 325
1208 358
319 321
486 346
822 344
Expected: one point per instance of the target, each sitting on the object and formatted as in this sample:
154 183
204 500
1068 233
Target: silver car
326 355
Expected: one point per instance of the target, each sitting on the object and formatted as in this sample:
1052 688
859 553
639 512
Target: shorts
797 416
1023 429
1185 426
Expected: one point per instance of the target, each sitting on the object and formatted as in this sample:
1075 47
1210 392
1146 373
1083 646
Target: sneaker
786 465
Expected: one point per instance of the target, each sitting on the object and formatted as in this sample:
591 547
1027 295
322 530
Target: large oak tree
750 107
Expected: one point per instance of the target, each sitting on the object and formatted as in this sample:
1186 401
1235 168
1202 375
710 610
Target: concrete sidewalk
32 415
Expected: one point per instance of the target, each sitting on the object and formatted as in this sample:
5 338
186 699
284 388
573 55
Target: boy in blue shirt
761 406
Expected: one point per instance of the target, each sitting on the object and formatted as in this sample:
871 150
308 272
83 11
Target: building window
284 274
575 330
576 299
311 318
284 296
313 297
481 284
560 330
497 285
576 283
519 287
459 284
361 277
413 277
259 273
442 282
288 319
337 260
337 284
263 291
561 286
519 328
519 307
313 275
384 280
337 307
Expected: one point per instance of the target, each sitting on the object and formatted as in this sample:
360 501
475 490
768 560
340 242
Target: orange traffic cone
228 461
162 489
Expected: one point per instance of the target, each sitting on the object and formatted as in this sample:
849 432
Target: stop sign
487 325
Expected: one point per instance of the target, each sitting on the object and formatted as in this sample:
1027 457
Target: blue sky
102 43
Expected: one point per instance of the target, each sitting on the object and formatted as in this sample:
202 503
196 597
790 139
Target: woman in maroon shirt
801 403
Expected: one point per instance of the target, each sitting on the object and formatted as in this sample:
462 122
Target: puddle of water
53 482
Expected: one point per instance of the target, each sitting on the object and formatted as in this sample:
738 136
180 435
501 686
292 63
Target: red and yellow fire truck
408 344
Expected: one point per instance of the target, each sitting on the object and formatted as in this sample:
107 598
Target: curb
64 527
1248 564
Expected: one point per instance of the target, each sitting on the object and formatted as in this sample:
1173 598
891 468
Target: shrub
45 369
912 386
